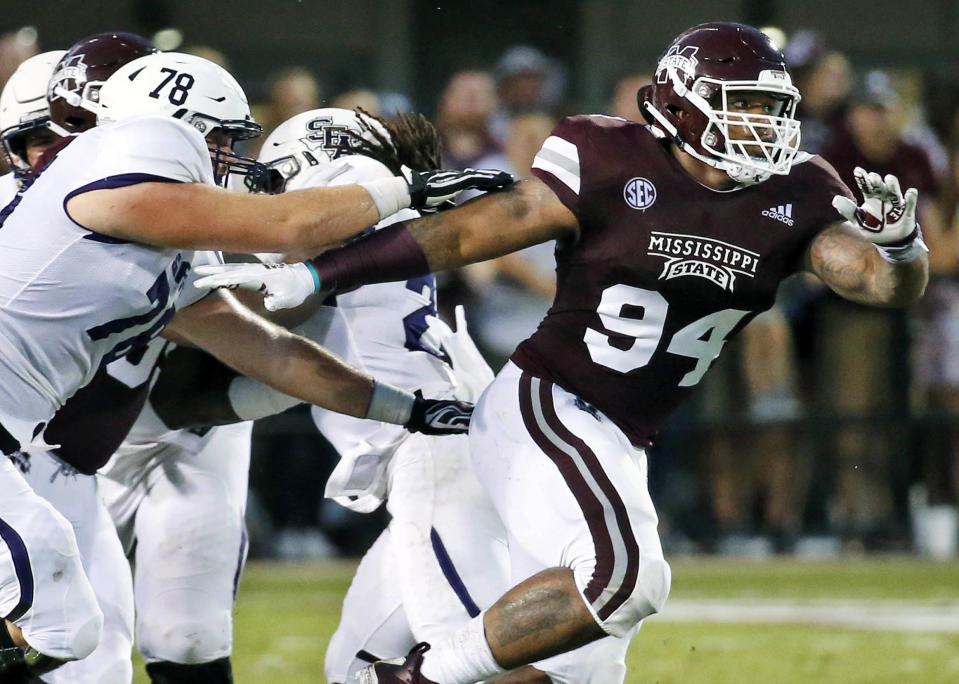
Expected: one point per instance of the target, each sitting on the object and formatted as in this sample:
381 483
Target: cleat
398 670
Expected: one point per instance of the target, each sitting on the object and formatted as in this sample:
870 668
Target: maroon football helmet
74 89
698 78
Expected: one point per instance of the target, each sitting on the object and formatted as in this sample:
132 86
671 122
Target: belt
8 443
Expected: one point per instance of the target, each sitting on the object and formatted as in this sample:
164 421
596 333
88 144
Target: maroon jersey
664 270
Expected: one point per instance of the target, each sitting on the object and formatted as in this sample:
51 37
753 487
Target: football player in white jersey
86 427
443 555
163 481
24 114
24 137
93 266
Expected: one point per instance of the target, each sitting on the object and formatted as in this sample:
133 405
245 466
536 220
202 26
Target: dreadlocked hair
411 141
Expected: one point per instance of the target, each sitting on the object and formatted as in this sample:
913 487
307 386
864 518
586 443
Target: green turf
287 612
893 577
683 653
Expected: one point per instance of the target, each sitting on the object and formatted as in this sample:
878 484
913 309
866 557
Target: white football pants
571 491
185 512
43 588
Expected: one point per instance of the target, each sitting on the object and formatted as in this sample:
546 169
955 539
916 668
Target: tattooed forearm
853 269
493 225
841 261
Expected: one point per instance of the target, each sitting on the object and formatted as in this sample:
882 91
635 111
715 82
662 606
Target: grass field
885 620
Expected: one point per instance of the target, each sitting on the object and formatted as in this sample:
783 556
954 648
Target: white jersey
8 189
72 299
384 325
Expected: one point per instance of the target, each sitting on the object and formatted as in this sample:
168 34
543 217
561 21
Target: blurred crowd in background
825 428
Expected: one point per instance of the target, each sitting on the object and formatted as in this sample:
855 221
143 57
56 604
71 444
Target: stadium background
411 47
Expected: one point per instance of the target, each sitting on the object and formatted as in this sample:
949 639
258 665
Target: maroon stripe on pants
593 508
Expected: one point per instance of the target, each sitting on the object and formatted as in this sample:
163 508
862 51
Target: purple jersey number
415 323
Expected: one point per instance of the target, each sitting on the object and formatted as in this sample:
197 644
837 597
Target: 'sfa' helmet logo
335 140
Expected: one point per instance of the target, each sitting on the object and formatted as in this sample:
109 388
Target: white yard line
864 614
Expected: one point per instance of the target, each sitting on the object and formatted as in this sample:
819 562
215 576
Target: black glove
439 416
431 188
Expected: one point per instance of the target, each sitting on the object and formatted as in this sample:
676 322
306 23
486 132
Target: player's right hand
429 189
283 285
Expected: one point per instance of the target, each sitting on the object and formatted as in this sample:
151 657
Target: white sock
465 657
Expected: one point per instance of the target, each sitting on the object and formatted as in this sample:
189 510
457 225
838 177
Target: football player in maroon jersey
671 237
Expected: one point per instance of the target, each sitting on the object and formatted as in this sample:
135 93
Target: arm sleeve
385 254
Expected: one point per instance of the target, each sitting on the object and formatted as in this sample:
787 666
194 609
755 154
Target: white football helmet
186 87
313 138
23 106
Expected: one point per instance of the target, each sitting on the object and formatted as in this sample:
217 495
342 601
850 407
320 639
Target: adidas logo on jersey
782 213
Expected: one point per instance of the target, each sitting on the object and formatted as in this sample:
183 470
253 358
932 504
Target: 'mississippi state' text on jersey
664 270
72 299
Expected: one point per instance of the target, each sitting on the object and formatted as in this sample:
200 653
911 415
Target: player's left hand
283 285
886 216
439 416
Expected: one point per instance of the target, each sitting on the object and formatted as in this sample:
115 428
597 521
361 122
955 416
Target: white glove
283 285
470 370
885 217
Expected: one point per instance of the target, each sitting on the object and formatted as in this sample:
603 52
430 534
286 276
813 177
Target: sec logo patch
639 193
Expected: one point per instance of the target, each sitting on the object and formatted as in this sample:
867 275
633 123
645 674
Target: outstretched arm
526 214
493 225
304 370
271 354
199 216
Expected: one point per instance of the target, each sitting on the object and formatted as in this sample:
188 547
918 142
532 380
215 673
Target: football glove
439 416
283 285
470 370
885 217
430 189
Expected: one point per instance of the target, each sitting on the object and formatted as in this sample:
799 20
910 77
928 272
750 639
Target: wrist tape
390 404
389 194
904 253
